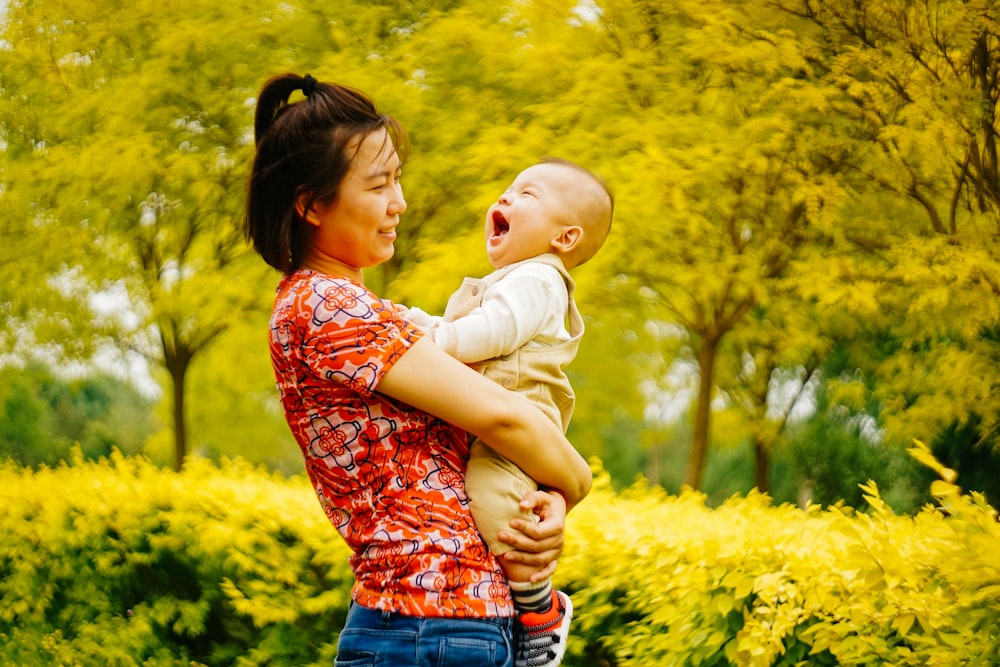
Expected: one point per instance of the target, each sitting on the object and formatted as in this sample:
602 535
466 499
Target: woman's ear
308 214
568 239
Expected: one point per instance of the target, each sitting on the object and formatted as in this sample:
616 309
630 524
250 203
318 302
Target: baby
520 327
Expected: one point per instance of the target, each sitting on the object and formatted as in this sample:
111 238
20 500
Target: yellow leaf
922 454
942 489
903 623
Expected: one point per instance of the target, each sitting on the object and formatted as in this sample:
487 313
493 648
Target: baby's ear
568 239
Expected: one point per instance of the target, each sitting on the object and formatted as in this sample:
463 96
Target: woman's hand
538 543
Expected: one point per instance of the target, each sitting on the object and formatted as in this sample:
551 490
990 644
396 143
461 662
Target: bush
661 580
120 563
43 415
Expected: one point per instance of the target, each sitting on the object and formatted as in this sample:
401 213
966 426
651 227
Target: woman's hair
304 147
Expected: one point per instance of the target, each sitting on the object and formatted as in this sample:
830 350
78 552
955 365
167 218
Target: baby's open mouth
500 224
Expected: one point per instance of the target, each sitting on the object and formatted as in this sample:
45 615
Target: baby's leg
495 487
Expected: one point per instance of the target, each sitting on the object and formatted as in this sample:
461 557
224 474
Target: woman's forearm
428 379
539 448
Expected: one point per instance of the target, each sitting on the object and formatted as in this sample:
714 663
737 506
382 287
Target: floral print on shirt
389 477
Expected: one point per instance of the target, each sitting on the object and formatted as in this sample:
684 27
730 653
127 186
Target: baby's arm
425 321
514 312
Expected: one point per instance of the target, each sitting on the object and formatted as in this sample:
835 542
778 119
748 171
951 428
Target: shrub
120 563
661 580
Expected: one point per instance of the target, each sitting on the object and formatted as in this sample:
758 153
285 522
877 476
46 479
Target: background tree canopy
803 273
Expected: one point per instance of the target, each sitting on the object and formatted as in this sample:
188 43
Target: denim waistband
387 620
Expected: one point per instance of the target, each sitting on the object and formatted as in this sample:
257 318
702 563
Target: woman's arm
428 379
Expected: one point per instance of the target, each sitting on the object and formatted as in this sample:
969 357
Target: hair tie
308 85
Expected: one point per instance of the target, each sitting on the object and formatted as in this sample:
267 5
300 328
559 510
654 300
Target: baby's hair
304 148
594 207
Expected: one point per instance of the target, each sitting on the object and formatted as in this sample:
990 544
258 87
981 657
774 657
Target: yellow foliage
664 580
145 561
758 161
119 559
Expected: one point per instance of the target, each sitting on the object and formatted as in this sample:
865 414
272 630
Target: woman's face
357 229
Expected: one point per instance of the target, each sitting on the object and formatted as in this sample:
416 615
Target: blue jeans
382 639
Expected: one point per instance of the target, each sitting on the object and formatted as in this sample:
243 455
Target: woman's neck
332 267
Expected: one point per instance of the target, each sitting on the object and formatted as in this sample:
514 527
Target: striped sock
531 597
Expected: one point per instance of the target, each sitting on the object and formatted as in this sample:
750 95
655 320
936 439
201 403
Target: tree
791 178
920 83
778 371
43 416
748 182
805 159
127 147
147 166
25 421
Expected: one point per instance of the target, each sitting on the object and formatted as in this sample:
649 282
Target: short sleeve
353 337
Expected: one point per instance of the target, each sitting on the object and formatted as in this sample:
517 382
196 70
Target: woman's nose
398 203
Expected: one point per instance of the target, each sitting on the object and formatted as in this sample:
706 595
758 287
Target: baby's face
529 214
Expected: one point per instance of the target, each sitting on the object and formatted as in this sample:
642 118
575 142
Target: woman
379 412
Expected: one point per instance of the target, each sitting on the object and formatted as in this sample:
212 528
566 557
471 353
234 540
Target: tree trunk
983 69
703 409
177 358
762 476
653 468
180 424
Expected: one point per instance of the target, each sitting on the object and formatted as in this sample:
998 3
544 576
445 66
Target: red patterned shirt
390 478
